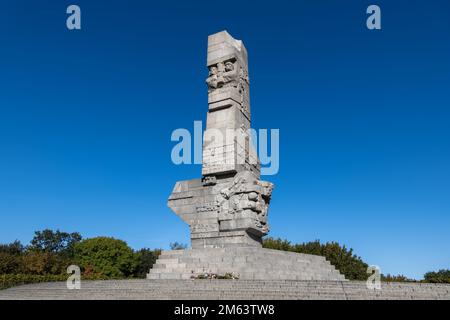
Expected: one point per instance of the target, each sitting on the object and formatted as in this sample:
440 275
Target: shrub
395 278
42 263
10 263
106 256
342 258
13 248
10 280
441 276
10 257
177 246
146 258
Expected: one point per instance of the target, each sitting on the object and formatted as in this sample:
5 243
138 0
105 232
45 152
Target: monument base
248 263
235 238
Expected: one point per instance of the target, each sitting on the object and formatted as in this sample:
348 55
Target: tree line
49 253
349 264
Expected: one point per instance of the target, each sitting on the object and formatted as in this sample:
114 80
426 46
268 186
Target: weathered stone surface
228 206
245 263
227 290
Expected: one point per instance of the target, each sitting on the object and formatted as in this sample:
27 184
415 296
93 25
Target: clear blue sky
364 119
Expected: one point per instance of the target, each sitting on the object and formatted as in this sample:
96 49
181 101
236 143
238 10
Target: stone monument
226 209
228 205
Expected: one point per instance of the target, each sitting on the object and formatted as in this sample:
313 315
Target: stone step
243 269
238 265
142 283
244 276
227 289
242 252
246 262
255 255
261 275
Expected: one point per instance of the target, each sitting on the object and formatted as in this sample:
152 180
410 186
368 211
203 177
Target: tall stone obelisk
228 206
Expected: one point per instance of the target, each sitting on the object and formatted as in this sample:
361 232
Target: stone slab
226 290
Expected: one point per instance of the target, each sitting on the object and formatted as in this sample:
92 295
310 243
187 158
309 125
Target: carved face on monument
213 71
229 66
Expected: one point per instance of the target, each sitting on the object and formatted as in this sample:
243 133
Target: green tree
106 256
44 263
277 244
14 248
441 276
55 241
11 257
342 258
146 258
177 246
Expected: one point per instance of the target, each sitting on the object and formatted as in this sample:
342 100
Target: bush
342 258
10 257
106 256
38 258
146 258
43 263
177 246
9 263
277 244
13 248
442 276
396 278
10 280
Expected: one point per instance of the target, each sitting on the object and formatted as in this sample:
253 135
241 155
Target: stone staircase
247 263
226 290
